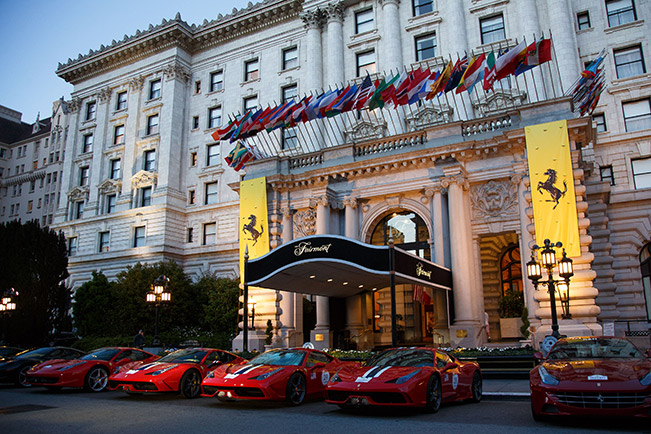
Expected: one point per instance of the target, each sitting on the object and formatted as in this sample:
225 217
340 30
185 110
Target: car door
449 370
317 374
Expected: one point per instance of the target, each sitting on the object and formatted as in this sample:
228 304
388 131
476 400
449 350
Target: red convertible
406 377
180 371
601 376
90 372
292 374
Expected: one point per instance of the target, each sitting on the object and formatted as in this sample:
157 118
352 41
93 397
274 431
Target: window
72 246
511 271
642 173
195 122
32 185
250 103
88 143
209 233
365 63
83 176
637 115
583 20
492 29
606 173
121 102
364 21
216 81
118 135
79 209
154 88
600 120
628 62
425 46
30 206
152 124
289 138
138 236
211 193
110 203
197 86
115 169
620 12
190 235
104 241
214 117
91 107
423 6
193 159
192 197
145 196
149 160
251 70
290 58
212 155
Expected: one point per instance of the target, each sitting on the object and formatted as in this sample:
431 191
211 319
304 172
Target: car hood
247 371
57 364
368 374
147 368
598 369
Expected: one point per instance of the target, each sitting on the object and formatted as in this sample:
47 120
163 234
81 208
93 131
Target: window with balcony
492 29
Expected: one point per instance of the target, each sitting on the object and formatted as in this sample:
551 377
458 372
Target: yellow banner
552 185
253 226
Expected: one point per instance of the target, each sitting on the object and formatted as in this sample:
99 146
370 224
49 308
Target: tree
94 308
35 264
221 310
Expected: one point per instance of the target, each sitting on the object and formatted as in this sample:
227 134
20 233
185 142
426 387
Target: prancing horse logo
549 186
250 227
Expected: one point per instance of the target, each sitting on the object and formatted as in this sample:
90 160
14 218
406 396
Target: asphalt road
36 410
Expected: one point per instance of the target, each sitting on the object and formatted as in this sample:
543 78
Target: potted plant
511 307
268 335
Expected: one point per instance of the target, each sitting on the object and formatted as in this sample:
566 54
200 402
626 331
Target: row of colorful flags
588 88
400 89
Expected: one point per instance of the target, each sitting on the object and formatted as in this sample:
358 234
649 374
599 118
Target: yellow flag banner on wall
253 226
552 185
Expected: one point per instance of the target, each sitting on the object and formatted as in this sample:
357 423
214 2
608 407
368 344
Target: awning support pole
245 306
392 277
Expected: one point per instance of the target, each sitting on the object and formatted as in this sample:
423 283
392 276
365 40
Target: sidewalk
506 388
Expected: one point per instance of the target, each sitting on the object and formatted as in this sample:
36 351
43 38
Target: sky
35 35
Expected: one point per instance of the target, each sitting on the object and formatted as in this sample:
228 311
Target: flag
456 74
420 294
253 224
401 96
365 91
428 84
238 156
225 132
278 119
418 85
505 64
383 90
242 123
473 74
389 93
440 82
537 54
298 113
325 101
343 101
256 126
489 71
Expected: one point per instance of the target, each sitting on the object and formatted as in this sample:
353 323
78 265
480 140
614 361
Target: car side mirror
538 355
451 365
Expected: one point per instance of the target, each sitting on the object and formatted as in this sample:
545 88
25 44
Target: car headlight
404 378
266 374
160 371
646 380
546 377
65 368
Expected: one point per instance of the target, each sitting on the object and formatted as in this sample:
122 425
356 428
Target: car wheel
190 385
434 394
96 379
476 387
296 388
22 377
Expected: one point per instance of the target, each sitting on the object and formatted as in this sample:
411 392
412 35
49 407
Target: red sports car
406 377
591 376
291 374
90 371
180 371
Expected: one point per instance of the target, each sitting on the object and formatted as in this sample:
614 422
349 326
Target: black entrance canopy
336 266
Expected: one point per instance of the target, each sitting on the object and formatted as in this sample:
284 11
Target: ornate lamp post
565 271
157 295
7 306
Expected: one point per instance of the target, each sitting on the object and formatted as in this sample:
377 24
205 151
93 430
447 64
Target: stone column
391 54
335 72
526 241
288 299
456 44
100 137
130 157
561 20
438 248
322 327
464 263
312 21
528 17
354 318
67 181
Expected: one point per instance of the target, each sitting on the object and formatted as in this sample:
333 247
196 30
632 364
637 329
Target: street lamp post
7 306
565 271
157 295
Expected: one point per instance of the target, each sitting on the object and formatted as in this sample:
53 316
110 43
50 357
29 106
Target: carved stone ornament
335 11
364 130
312 19
136 83
144 179
110 186
428 116
494 199
78 193
305 223
174 70
73 105
500 100
104 95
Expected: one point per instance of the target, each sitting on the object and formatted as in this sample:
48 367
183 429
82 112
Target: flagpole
316 136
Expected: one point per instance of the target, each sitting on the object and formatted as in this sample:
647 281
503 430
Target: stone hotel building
445 179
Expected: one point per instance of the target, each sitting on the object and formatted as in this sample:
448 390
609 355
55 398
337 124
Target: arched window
645 268
408 231
511 270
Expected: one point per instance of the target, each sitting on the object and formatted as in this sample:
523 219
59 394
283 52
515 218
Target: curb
513 396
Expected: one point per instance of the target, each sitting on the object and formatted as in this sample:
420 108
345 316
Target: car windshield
184 356
41 352
594 348
280 358
402 358
105 354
